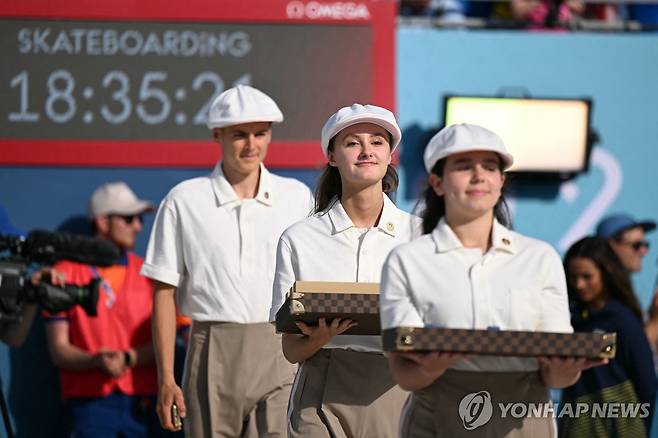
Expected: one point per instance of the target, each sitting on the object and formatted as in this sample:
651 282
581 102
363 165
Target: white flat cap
242 104
455 139
116 198
357 113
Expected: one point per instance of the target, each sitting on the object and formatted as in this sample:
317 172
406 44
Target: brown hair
435 207
615 279
330 186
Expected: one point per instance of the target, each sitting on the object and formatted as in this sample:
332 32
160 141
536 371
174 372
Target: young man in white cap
213 249
107 373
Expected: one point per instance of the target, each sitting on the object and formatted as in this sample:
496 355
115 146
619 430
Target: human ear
436 183
332 160
217 134
102 224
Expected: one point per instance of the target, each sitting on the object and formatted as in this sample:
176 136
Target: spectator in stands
644 13
605 12
107 372
449 10
546 14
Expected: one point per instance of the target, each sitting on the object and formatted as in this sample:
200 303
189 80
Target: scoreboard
124 83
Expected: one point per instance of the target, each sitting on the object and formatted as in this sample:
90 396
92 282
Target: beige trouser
237 382
345 394
434 412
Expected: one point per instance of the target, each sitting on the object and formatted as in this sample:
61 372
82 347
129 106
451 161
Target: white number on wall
120 95
149 91
23 115
214 79
58 94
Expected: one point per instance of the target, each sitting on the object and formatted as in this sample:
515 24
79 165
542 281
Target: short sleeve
555 316
396 305
284 276
164 260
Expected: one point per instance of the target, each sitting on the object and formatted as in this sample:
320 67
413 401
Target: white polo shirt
219 250
328 247
519 284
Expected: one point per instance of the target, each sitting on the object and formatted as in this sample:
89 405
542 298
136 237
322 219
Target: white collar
389 220
225 193
446 240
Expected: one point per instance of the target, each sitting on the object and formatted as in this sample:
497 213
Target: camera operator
107 372
14 332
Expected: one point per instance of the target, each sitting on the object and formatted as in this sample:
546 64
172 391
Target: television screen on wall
546 136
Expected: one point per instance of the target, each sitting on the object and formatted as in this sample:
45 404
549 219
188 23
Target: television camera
18 255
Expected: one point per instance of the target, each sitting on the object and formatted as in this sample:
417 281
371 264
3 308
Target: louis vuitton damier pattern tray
308 301
591 345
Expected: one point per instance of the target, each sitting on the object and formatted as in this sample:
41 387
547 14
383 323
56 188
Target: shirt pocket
525 309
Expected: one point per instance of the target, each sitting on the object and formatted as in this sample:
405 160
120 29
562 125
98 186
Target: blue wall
617 71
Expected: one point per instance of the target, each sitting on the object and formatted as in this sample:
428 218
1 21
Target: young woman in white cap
343 387
213 248
470 271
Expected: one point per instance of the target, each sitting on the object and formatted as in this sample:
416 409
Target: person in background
546 14
107 372
212 250
602 299
627 237
14 332
453 11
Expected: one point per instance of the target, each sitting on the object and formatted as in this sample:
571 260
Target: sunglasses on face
638 245
128 219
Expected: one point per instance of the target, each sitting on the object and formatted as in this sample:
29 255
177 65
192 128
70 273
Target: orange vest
123 322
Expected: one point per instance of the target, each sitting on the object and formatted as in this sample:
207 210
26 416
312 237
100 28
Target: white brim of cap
136 208
507 158
394 130
274 118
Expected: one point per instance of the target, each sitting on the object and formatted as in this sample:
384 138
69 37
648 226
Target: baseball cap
464 137
357 113
242 104
614 224
116 198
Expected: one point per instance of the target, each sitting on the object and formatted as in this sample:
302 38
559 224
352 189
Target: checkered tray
308 301
592 345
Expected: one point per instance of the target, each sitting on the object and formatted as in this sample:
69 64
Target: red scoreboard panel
128 83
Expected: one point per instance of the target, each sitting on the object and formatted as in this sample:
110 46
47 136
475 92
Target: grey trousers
435 411
345 394
236 382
